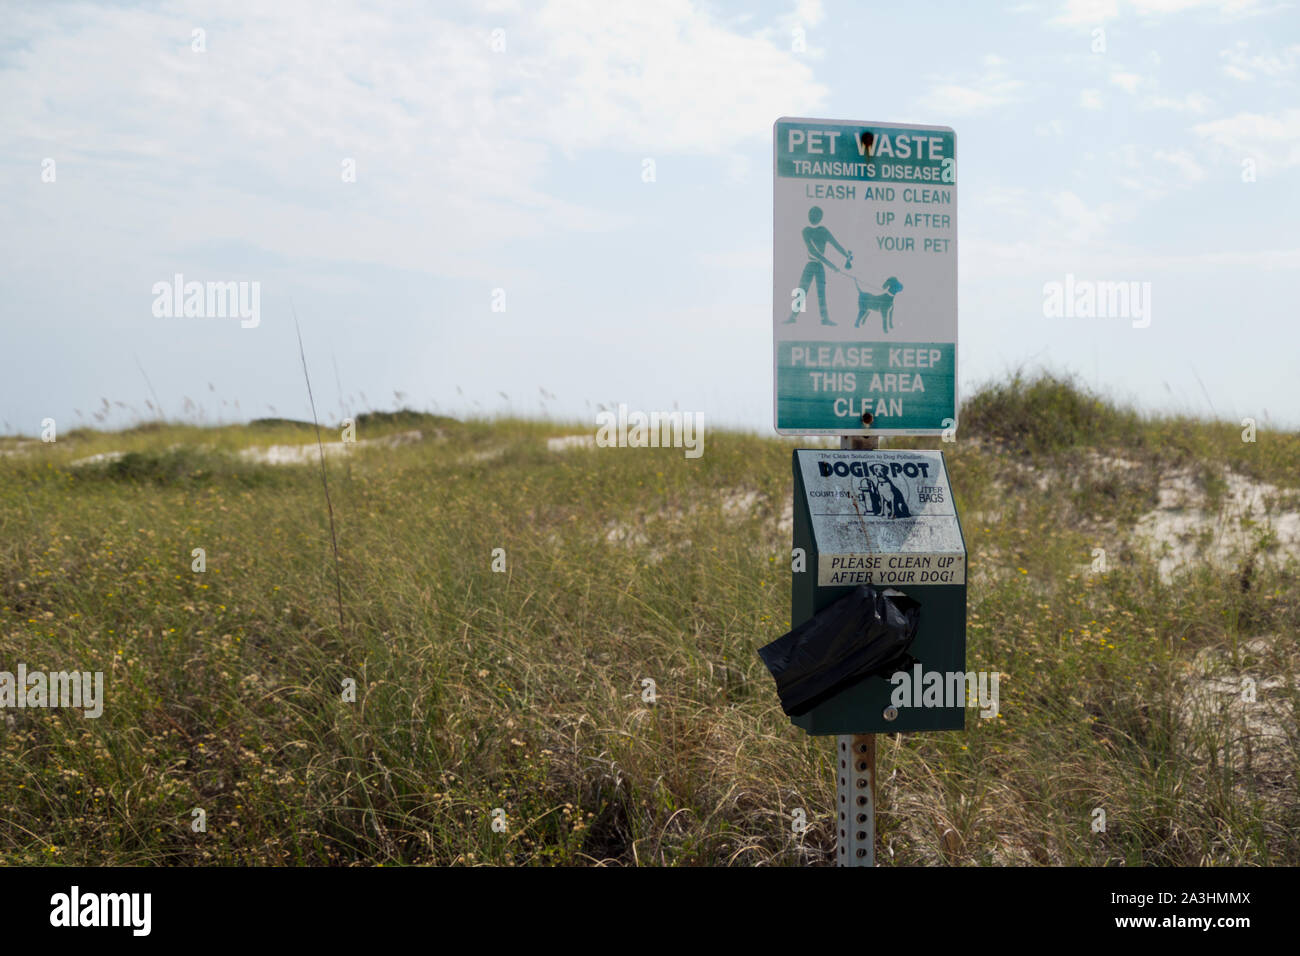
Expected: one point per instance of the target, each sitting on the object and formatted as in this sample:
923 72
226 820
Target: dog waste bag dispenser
885 519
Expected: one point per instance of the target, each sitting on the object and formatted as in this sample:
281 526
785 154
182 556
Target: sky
545 208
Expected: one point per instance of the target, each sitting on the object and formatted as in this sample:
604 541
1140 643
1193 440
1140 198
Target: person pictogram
815 237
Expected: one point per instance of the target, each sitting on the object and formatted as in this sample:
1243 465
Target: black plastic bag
866 632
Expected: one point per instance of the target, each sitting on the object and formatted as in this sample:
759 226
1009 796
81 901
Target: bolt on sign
864 284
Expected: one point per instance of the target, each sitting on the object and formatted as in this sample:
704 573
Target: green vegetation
523 690
179 465
1048 414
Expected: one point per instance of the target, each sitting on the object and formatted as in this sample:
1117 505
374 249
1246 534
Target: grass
1048 413
522 691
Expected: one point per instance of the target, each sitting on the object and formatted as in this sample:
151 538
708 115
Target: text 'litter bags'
866 632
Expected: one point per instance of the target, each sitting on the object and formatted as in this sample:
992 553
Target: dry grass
523 690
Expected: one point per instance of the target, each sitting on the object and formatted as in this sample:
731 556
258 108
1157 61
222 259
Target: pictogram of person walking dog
816 237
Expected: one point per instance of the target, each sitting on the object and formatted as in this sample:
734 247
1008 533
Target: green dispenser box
884 518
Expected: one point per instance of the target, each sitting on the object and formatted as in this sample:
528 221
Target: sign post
855 773
864 315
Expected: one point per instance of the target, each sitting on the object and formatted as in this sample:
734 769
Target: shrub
1047 413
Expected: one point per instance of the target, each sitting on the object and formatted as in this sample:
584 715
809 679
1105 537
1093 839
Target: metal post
855 765
855 798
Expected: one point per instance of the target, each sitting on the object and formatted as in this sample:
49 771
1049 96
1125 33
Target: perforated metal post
855 764
855 798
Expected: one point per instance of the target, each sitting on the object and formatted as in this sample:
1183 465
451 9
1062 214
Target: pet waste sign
864 284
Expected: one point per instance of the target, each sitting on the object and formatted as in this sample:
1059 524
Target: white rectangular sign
864 284
882 518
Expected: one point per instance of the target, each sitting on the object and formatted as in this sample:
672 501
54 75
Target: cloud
1092 13
1271 140
1131 83
795 30
662 78
1182 160
1241 65
1081 221
1190 103
810 12
1090 99
985 257
1230 8
1087 13
1155 173
1128 82
991 89
455 143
